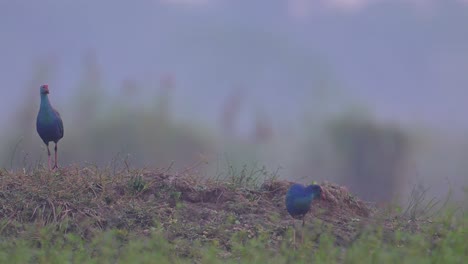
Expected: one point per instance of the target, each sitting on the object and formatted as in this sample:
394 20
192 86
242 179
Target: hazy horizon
405 62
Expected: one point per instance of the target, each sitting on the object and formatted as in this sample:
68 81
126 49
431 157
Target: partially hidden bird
299 199
49 124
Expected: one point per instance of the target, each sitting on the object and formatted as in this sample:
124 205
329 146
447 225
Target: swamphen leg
294 236
302 230
55 166
48 156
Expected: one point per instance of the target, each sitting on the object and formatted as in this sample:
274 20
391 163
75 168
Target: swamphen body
299 199
49 124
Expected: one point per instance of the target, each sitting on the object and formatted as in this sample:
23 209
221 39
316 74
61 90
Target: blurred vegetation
117 246
138 122
373 154
100 125
119 214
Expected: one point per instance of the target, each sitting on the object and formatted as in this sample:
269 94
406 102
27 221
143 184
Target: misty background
370 94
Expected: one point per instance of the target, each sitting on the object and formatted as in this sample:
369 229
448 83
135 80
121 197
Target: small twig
195 165
170 167
14 152
219 197
53 209
92 189
34 212
10 219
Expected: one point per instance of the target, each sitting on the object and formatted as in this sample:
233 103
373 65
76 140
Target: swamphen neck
45 106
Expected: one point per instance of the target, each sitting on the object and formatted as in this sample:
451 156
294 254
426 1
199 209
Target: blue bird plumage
299 199
49 124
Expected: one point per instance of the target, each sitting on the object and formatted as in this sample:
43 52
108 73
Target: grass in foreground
91 215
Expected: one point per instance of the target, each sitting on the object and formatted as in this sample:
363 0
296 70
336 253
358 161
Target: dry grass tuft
88 200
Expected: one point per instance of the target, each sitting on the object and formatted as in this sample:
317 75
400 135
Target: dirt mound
85 200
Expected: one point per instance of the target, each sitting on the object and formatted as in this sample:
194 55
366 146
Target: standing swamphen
49 124
299 199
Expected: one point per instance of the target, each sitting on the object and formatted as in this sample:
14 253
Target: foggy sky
405 61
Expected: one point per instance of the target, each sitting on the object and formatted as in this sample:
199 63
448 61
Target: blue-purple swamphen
299 199
49 124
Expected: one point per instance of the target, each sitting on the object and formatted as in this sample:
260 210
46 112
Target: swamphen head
299 199
44 89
